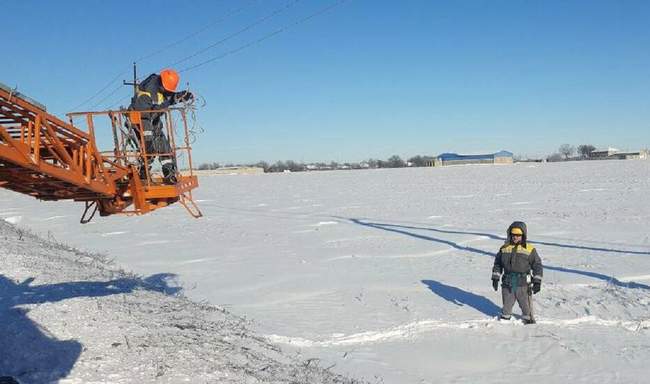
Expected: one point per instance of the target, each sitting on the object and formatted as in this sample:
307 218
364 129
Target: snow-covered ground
386 273
72 317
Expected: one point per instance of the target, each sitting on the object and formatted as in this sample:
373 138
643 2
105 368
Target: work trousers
156 143
520 294
155 140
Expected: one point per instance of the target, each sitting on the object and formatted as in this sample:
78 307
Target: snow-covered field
385 274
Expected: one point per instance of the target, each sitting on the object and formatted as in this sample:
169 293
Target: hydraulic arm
49 159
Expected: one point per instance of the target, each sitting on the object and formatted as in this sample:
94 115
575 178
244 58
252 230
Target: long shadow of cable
459 297
28 352
391 228
609 279
402 230
502 238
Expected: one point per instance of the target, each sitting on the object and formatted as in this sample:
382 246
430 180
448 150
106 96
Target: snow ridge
72 317
412 329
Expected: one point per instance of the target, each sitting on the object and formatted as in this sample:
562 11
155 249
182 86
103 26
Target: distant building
602 153
615 154
639 155
502 157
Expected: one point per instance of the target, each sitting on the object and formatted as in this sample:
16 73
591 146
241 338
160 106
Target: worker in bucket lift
158 91
520 270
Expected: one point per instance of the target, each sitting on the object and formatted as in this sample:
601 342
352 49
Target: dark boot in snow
529 321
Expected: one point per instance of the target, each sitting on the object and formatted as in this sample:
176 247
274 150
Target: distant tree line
394 161
568 152
206 166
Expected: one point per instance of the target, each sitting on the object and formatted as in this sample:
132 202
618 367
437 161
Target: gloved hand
537 286
184 96
495 284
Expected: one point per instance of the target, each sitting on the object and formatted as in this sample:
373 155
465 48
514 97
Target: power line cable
203 29
248 27
276 32
114 91
115 103
100 91
268 36
257 22
162 49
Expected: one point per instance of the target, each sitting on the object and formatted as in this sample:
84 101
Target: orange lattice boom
45 157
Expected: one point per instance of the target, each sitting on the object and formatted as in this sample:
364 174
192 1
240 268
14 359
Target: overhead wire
251 43
268 36
159 51
203 29
275 12
114 91
190 108
100 91
257 22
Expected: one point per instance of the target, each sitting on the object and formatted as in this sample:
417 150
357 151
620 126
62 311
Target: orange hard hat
169 79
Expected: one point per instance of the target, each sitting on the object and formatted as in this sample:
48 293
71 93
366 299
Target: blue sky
366 79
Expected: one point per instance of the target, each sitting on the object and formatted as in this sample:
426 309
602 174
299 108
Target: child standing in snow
515 260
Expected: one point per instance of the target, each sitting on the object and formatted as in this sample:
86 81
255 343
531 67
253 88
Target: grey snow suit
518 266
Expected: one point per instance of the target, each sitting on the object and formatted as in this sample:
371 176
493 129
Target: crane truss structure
49 159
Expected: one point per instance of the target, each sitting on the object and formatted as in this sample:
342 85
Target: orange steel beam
44 157
48 148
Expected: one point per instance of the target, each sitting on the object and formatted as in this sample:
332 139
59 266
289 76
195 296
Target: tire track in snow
409 330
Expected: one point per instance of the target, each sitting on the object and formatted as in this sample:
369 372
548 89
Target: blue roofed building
501 157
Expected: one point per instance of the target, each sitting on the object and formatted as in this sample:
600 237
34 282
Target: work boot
142 169
142 173
170 179
169 173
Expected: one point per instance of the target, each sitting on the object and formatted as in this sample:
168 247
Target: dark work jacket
513 262
151 95
517 259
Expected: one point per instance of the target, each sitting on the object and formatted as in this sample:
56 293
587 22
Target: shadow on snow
404 230
461 298
29 352
491 236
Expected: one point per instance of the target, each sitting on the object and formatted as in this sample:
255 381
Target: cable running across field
252 43
159 51
257 22
203 29
248 27
267 36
